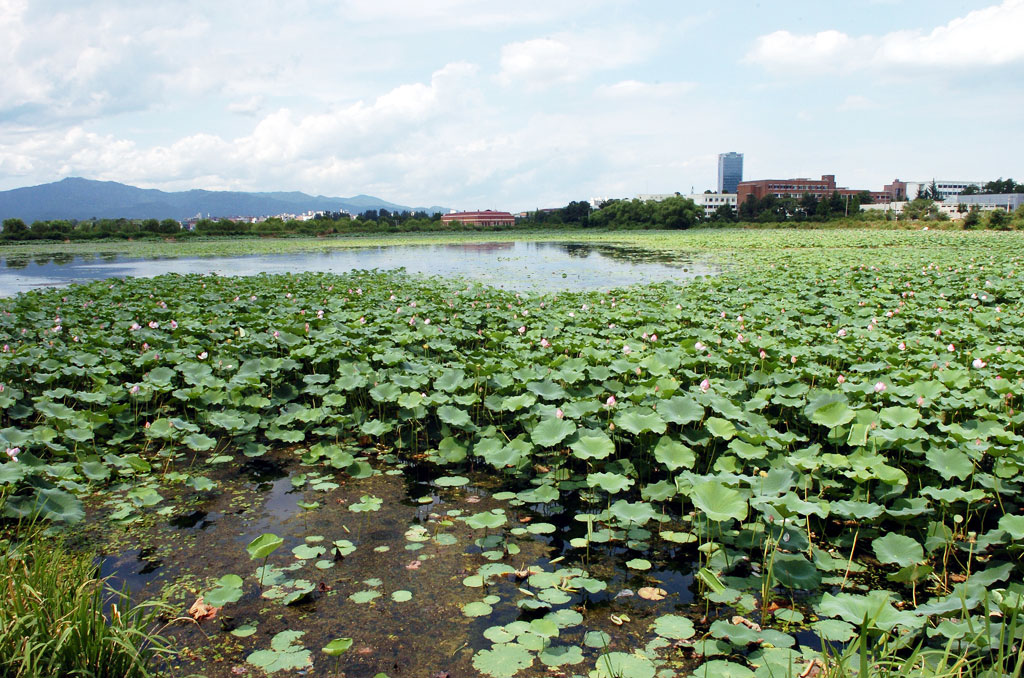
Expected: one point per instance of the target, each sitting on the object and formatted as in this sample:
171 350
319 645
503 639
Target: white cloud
571 57
634 89
982 38
856 102
321 151
416 14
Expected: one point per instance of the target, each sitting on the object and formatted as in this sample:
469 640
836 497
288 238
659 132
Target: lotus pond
381 474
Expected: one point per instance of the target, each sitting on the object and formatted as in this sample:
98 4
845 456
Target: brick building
796 188
487 218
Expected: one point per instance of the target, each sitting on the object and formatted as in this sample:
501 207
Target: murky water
511 265
204 537
400 588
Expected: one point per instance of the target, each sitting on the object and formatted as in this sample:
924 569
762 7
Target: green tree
676 213
15 229
973 217
723 214
999 219
748 208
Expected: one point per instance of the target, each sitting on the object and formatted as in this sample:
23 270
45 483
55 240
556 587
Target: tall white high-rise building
730 171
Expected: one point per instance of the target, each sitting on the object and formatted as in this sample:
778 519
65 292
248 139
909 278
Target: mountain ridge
80 198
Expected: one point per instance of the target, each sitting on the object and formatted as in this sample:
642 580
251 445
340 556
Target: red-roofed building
486 218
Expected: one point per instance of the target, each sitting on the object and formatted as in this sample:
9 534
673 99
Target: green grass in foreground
52 621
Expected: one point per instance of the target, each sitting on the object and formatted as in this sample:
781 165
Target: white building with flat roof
948 188
993 201
708 201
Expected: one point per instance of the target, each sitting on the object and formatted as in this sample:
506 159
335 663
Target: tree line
672 213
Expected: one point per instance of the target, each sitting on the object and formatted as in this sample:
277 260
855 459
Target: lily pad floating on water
476 609
362 597
229 590
623 665
503 661
401 596
674 627
451 481
284 654
719 668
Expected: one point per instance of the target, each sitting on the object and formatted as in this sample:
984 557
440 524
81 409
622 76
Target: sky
507 105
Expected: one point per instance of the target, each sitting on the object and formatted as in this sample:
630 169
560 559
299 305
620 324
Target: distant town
970 203
736 198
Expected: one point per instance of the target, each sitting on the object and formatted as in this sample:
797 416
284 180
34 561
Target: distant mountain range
76 198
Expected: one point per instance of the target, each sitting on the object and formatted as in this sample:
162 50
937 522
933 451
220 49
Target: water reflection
514 265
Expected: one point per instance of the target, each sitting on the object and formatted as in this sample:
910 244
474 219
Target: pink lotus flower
705 385
978 363
276 334
920 401
559 414
522 330
840 379
545 343
699 346
938 333
879 387
739 338
610 402
134 389
654 337
135 326
792 360
203 356
362 320
626 349
174 324
841 333
762 354
320 314
902 346
13 453
951 348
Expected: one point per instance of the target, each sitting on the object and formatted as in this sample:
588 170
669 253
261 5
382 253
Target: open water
540 266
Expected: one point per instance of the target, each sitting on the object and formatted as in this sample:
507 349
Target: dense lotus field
827 444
